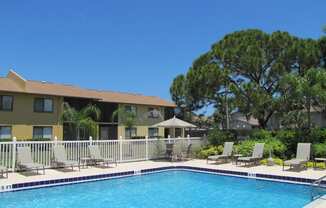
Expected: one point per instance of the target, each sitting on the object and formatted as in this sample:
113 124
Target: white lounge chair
96 157
25 161
3 170
60 158
302 157
257 155
226 154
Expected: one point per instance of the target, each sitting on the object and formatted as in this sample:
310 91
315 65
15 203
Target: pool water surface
169 189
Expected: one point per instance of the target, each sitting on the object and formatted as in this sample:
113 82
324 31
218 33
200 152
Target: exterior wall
236 124
25 132
141 131
142 122
142 115
23 118
317 118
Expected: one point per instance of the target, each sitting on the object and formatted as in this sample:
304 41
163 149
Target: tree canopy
247 67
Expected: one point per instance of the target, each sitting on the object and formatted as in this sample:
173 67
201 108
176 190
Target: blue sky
133 46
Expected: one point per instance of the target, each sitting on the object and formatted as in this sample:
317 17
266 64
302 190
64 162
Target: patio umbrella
174 123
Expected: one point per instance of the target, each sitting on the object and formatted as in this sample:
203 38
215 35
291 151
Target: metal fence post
120 143
14 144
146 143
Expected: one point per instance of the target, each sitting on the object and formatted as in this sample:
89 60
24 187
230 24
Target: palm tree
127 118
85 119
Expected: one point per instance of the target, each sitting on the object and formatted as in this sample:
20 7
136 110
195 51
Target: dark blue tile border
57 182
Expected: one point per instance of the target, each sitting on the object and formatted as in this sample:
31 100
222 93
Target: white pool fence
121 150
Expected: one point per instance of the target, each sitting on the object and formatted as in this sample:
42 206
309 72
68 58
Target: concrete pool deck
53 174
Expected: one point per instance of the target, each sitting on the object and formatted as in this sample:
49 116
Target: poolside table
85 161
319 159
235 158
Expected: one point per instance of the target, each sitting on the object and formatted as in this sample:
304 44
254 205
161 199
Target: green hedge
276 146
283 143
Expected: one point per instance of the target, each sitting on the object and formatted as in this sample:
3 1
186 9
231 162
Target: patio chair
181 152
226 154
25 161
186 155
3 170
257 155
169 151
302 157
96 157
60 158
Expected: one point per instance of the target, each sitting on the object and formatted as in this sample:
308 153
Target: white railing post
169 138
146 143
55 141
14 144
90 140
188 137
120 144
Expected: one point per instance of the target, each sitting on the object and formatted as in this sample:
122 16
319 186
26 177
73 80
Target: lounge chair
226 154
96 157
60 158
25 161
257 155
3 170
302 157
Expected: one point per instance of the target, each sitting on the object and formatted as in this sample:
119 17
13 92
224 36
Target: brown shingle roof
9 84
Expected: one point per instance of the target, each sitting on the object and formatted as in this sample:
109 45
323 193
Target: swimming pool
169 189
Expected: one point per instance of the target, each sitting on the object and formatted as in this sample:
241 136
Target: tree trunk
262 123
308 106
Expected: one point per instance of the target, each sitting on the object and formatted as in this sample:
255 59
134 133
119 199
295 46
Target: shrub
317 135
210 150
246 147
320 165
218 137
277 161
290 139
261 135
276 146
319 150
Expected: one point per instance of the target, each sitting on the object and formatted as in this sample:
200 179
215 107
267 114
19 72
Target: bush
261 135
317 135
277 161
210 150
290 139
276 146
246 147
218 137
319 150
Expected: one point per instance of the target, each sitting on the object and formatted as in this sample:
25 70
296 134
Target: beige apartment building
32 109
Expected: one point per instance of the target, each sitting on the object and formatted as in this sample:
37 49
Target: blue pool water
171 189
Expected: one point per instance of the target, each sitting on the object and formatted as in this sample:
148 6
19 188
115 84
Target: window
6 102
5 132
153 113
43 105
130 132
40 132
152 132
131 109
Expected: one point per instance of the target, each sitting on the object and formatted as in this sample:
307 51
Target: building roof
237 116
15 83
